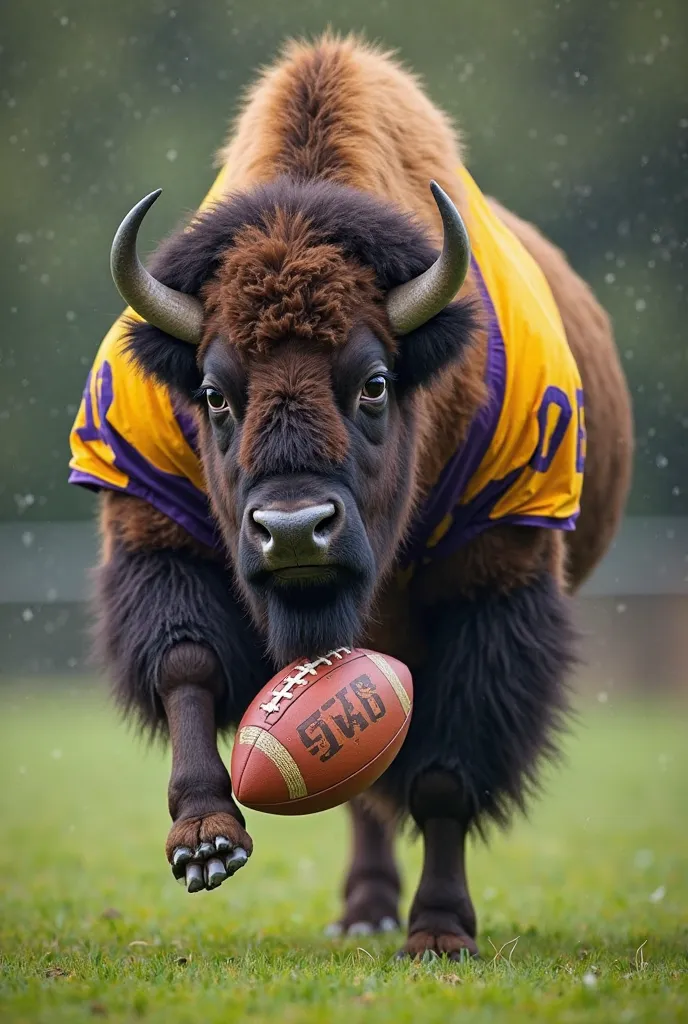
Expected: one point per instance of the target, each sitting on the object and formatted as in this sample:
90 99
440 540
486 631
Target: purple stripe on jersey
471 519
467 518
550 522
478 526
91 483
454 478
175 496
204 533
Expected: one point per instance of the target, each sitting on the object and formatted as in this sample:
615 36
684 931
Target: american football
321 732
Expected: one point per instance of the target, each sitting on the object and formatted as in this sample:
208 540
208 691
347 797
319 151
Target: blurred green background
574 113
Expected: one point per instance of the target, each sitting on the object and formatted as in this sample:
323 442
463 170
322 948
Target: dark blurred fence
633 613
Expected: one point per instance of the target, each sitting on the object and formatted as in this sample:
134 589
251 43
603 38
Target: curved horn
413 303
174 312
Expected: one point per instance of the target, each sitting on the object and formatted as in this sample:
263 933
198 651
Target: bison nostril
262 533
323 528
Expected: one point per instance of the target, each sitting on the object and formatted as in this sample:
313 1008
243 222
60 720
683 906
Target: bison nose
296 538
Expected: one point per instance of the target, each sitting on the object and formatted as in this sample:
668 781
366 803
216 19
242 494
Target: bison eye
216 400
374 391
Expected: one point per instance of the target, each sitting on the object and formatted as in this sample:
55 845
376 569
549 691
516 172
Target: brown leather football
321 732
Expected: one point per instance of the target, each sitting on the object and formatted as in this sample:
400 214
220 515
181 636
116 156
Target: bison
349 406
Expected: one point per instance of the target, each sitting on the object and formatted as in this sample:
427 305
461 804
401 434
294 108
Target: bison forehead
292 422
281 280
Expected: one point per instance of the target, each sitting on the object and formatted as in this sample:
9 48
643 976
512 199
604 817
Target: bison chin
307 618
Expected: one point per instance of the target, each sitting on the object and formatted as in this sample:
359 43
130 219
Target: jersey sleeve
522 459
531 472
129 435
541 476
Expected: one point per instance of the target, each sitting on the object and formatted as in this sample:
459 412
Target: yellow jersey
523 458
522 461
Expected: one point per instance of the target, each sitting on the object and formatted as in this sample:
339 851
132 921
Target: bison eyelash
388 375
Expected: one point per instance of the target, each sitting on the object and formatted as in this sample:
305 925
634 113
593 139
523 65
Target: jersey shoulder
534 461
132 435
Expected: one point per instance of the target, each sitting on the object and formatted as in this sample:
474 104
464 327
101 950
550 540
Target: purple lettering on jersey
581 436
89 431
542 460
173 495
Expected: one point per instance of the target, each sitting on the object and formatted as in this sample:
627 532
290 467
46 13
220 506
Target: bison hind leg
372 885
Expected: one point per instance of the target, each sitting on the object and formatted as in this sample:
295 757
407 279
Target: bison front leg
182 662
207 842
487 706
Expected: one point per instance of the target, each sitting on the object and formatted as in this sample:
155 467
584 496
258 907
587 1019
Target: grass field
583 910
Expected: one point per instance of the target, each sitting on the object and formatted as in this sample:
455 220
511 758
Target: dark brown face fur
308 403
300 436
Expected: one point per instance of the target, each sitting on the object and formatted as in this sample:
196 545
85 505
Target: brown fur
253 299
503 557
356 89
373 129
281 282
138 526
290 380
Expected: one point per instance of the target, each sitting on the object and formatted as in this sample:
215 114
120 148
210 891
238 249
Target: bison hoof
203 852
372 906
383 925
425 945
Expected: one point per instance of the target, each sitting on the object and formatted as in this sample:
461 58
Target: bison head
303 318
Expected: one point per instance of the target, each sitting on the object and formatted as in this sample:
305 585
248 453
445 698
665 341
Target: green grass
594 889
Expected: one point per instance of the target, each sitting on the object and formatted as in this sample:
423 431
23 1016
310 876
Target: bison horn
176 313
412 304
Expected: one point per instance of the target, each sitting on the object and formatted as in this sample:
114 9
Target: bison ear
441 341
166 359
